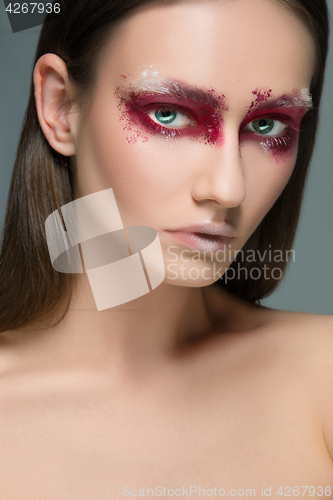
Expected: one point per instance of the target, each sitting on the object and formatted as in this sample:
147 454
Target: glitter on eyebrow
177 90
303 100
306 92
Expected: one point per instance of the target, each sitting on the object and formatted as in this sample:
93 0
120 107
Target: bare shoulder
309 342
312 330
302 319
308 338
301 345
297 346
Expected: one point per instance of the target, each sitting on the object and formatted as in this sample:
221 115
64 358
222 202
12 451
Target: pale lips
205 236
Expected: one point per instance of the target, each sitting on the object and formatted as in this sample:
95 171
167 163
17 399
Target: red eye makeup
287 110
261 95
172 109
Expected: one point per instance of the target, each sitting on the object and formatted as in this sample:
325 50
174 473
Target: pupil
263 124
165 113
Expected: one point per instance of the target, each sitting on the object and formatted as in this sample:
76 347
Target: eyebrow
178 90
301 100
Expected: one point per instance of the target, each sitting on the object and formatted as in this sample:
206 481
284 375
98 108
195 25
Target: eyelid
277 123
280 117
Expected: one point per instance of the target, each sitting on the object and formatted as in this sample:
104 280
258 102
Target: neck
144 332
136 338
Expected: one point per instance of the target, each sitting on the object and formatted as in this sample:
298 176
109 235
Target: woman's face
194 120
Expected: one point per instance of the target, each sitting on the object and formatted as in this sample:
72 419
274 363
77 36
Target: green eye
263 126
165 116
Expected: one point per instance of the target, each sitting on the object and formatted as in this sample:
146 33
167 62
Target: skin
220 392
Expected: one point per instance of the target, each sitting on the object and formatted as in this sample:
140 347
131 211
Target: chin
193 276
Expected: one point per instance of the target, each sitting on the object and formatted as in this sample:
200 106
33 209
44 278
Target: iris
165 116
263 126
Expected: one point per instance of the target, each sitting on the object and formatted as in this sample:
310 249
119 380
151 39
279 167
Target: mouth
201 241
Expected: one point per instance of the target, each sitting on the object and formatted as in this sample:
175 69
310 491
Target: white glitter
298 101
307 95
150 71
266 149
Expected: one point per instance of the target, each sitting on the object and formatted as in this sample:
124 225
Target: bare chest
94 443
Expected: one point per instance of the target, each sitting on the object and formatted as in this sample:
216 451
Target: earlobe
53 91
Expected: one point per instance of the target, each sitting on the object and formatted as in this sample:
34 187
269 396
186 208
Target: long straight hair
30 289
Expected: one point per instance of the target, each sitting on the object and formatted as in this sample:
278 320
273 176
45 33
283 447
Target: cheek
143 175
266 175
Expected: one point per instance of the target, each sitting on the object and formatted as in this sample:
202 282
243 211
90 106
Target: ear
53 90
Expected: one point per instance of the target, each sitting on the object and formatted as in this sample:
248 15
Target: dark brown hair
30 289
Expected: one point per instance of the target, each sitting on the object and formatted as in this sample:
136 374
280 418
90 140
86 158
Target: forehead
233 46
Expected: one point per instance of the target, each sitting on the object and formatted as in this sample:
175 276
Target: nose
220 176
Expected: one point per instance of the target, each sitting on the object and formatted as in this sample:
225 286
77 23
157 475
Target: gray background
308 285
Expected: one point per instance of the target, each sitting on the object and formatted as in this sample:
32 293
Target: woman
200 117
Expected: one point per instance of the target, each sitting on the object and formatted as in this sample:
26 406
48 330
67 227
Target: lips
204 237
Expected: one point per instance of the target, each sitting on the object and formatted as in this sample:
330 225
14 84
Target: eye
266 126
169 116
